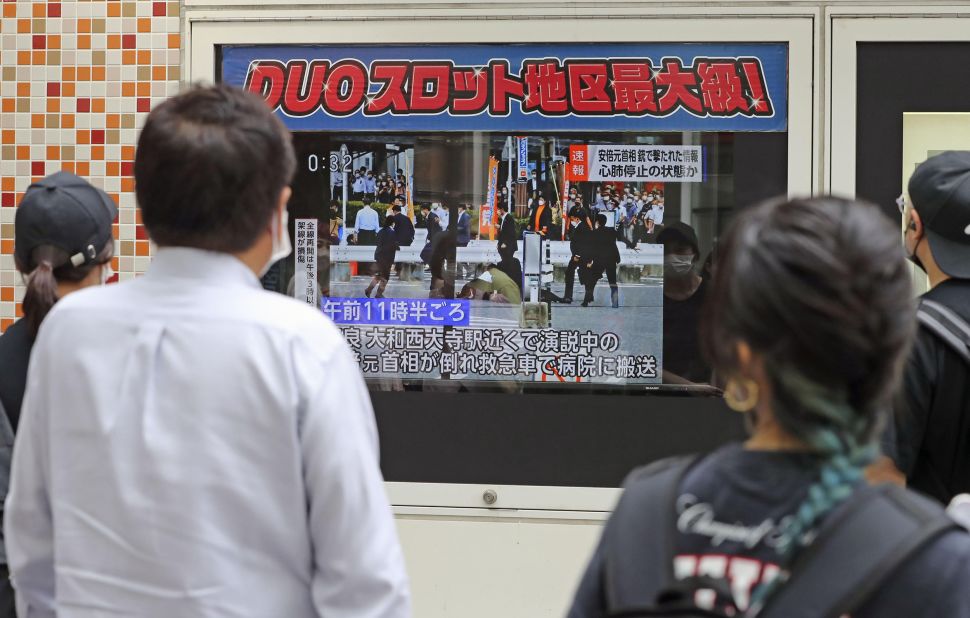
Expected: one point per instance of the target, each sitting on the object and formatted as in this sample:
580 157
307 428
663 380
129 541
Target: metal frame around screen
207 28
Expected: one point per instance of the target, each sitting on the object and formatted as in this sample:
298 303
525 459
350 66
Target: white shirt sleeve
28 529
358 563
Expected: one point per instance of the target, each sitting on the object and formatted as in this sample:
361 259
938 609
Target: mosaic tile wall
78 78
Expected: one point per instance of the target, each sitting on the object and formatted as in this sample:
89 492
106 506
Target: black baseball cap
64 211
678 230
940 192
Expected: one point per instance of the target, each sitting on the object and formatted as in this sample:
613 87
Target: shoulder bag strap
947 325
640 543
868 540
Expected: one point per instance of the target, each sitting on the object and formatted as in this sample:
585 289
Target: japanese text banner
647 87
636 163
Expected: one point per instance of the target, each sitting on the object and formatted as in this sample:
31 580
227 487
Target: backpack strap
638 542
866 541
947 325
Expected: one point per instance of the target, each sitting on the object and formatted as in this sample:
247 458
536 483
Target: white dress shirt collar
198 264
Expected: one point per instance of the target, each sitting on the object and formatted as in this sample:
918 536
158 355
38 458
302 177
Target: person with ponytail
63 243
809 319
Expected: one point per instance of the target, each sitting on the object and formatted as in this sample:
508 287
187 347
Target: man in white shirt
191 445
367 223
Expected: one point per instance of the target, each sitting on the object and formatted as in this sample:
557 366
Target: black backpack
861 544
947 325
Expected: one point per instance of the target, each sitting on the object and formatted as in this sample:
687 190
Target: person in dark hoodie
387 246
604 258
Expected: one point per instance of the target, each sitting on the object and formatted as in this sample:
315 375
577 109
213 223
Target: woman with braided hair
808 320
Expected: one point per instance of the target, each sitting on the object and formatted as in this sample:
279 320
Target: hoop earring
749 398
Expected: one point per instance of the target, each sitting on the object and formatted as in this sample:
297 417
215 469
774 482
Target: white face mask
573 223
106 273
679 264
281 241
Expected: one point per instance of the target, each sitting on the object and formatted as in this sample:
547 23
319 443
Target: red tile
141 233
127 168
40 41
37 168
7 200
54 9
128 41
54 89
158 9
83 105
97 136
144 105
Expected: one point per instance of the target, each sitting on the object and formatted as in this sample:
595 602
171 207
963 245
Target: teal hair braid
833 429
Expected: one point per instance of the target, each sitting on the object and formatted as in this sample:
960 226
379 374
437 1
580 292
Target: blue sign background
773 56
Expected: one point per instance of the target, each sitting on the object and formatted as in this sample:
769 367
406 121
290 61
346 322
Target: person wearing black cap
932 419
62 244
684 294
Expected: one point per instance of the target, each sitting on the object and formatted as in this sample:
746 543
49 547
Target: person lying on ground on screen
493 285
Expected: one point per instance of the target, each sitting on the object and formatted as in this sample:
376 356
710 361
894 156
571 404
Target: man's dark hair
396 208
601 219
209 168
502 206
388 222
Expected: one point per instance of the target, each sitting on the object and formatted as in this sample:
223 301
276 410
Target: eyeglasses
901 203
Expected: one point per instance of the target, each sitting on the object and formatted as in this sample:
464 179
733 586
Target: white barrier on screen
485 251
